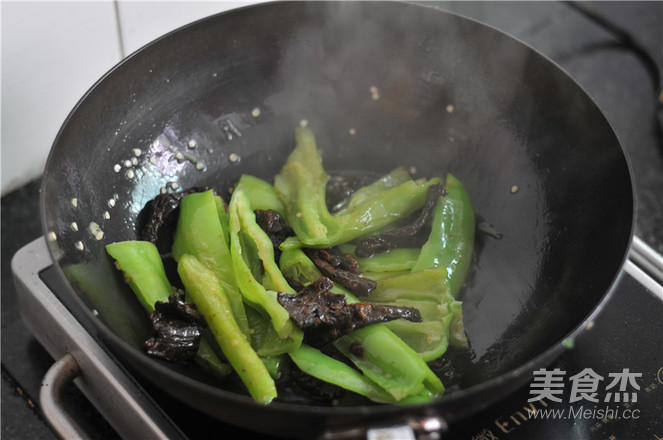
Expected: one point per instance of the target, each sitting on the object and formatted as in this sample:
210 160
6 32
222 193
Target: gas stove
631 322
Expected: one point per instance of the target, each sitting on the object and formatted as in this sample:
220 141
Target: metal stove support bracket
121 401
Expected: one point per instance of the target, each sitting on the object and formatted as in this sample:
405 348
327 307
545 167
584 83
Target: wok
540 162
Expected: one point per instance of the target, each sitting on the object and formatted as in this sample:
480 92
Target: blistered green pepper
386 359
395 260
452 236
200 232
389 180
328 369
301 185
211 299
144 272
251 247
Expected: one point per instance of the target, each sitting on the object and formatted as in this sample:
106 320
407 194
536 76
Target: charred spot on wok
404 235
325 316
177 329
157 221
342 269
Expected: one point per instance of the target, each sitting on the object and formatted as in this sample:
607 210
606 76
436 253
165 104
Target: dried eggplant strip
377 244
274 226
325 316
352 281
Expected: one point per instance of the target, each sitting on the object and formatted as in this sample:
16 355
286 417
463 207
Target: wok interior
515 121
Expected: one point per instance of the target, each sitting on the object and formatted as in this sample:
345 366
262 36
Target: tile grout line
116 7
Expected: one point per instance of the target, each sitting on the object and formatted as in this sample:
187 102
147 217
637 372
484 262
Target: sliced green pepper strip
428 285
394 260
318 364
144 272
393 178
452 236
200 233
301 185
262 195
387 360
457 336
252 290
212 301
264 339
384 209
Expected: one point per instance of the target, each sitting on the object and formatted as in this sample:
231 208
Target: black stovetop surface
627 334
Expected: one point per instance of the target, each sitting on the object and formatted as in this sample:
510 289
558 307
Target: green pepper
211 299
318 364
389 180
451 239
262 195
144 272
243 230
301 185
395 260
387 360
200 232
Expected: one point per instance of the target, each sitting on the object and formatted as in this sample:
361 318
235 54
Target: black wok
541 164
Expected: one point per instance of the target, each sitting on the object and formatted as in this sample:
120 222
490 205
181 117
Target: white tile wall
52 52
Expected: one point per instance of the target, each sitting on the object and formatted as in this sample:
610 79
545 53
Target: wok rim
516 376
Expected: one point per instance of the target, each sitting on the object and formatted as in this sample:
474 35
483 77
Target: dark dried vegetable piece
275 227
324 316
158 219
341 270
399 237
177 328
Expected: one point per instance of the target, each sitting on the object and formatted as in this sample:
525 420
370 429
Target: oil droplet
134 161
374 93
450 108
111 203
303 123
106 215
180 157
413 170
79 245
127 163
192 144
255 112
200 166
153 160
74 202
51 236
130 174
74 226
137 152
117 167
514 189
174 185
95 312
163 190
352 132
233 157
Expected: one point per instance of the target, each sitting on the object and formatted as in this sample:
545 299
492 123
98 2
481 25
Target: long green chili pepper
200 232
386 359
389 180
212 301
452 236
301 185
394 260
144 272
243 229
318 364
